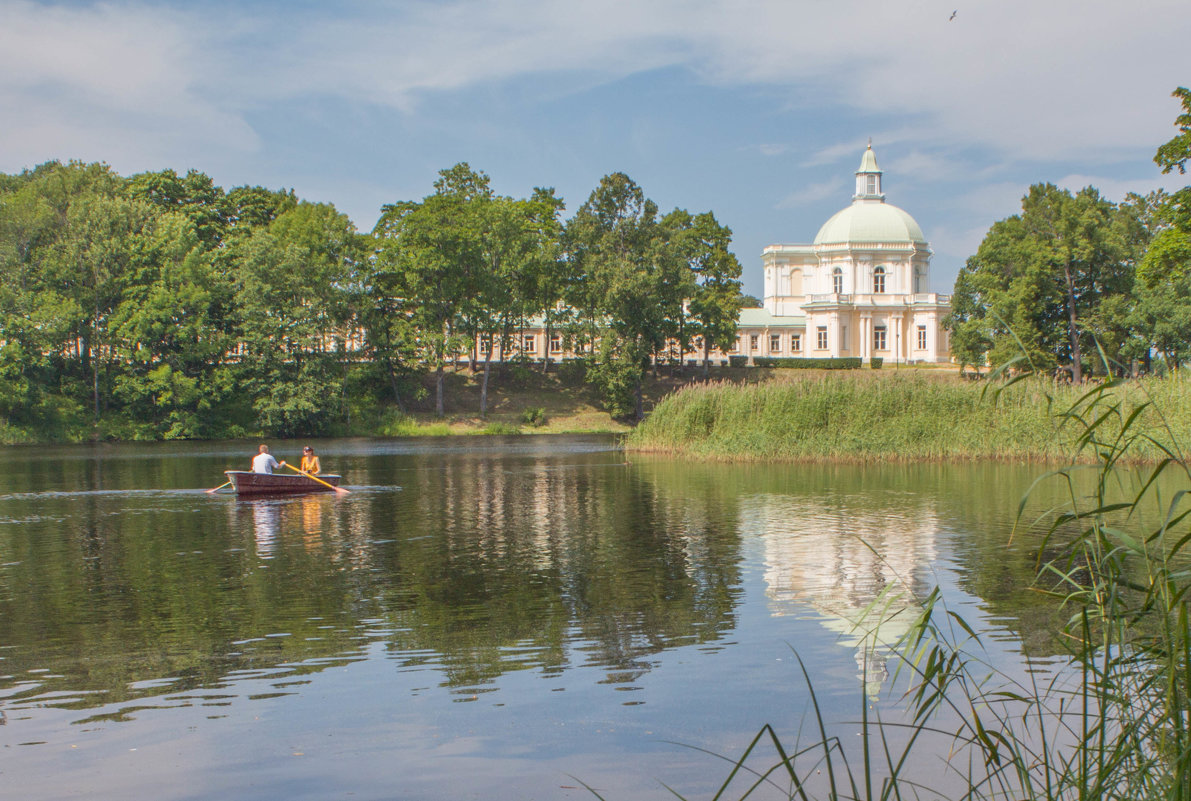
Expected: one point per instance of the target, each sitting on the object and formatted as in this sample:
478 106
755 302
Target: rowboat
246 482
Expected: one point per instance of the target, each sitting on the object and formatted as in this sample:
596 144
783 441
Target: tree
434 250
295 301
613 242
716 300
1038 275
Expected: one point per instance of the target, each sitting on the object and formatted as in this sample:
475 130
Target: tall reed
862 417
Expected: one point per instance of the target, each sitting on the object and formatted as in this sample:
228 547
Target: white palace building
859 290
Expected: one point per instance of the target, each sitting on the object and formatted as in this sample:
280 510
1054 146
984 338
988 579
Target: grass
889 416
1116 723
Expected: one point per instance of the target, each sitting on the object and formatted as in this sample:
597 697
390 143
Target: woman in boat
310 461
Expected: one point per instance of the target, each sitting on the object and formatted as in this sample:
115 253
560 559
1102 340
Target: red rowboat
246 482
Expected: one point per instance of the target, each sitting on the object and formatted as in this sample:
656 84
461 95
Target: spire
868 177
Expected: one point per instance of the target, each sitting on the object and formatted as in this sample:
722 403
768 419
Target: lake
479 618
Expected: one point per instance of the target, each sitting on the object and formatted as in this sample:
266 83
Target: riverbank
884 416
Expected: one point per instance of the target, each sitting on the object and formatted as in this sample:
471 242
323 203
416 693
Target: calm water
479 618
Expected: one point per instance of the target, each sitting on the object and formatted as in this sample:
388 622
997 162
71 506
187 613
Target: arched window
837 281
919 279
796 282
879 281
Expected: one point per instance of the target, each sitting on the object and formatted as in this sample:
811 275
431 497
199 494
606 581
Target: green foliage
534 416
573 372
875 362
1174 154
886 416
501 429
799 362
1043 275
616 372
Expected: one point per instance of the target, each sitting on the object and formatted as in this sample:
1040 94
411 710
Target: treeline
162 306
1075 278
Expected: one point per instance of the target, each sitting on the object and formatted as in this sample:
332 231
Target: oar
316 478
221 486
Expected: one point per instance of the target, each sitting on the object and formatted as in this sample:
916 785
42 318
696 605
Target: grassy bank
890 416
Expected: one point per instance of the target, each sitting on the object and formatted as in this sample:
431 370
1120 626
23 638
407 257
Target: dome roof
866 221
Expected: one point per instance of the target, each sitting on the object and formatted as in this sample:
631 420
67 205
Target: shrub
875 362
501 429
534 416
844 363
572 372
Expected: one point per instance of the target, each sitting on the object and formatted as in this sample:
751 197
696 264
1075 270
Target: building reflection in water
856 571
266 519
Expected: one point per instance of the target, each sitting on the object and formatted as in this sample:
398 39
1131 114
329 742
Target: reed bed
897 417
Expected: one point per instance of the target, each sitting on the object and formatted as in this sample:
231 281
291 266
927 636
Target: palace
859 289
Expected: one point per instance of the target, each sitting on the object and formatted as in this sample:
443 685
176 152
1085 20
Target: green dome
870 222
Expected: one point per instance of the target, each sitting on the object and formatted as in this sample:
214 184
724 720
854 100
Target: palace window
754 341
775 343
879 338
871 181
821 337
922 337
837 281
843 337
556 343
879 281
796 342
529 343
485 343
919 280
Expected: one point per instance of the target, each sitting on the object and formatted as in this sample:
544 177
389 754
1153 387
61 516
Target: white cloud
108 82
1064 79
812 193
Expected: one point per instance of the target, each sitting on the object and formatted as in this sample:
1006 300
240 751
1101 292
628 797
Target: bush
534 416
845 363
738 361
501 429
875 362
572 372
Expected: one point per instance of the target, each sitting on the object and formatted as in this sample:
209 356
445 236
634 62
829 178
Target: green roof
761 318
868 162
868 221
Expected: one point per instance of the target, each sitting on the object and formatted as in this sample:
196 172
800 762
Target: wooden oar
316 478
221 486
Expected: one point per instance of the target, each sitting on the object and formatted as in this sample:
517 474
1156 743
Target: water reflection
860 570
266 518
465 566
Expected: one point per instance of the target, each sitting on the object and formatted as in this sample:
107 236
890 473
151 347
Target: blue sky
758 110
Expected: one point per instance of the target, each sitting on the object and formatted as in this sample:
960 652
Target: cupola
868 178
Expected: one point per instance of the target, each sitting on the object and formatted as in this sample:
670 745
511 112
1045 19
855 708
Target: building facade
859 289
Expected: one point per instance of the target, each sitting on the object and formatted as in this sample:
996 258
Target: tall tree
613 242
1163 308
295 281
435 248
1039 274
715 299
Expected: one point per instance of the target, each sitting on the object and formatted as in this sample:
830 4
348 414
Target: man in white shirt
264 462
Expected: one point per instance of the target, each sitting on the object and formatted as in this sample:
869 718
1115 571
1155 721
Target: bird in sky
953 13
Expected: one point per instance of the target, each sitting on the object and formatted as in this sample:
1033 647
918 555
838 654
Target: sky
756 110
